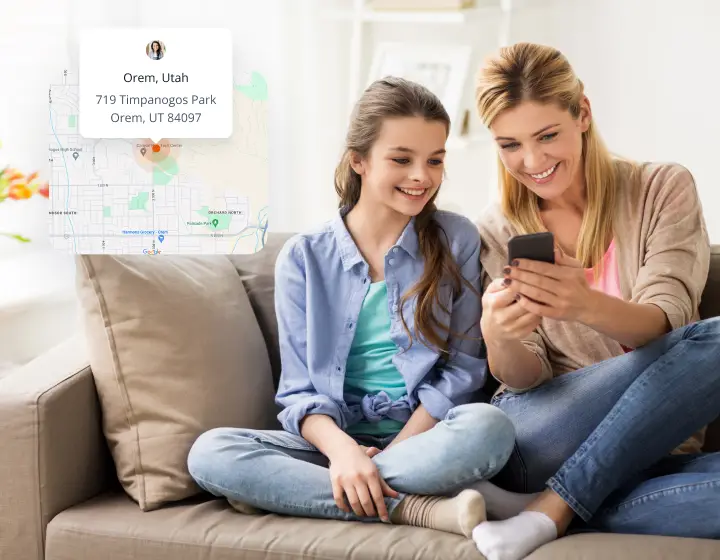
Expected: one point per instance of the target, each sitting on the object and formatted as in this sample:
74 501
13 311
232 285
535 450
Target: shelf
411 16
416 16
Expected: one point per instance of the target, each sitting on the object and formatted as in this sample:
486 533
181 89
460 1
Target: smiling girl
378 317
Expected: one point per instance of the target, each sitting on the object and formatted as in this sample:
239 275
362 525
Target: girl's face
405 165
156 47
541 146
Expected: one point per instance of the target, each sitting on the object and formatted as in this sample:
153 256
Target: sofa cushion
603 546
710 307
257 271
710 301
175 350
111 528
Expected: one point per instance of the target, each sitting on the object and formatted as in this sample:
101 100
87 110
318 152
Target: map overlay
179 196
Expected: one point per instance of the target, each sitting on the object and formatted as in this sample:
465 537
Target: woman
604 367
156 52
378 314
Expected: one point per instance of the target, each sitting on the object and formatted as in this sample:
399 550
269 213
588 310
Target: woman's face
155 47
541 146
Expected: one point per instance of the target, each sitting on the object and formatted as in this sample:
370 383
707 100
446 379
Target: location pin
161 238
142 151
75 155
215 222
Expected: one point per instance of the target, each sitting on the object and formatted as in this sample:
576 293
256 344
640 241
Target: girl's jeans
283 473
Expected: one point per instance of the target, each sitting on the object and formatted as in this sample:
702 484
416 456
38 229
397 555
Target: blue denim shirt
321 280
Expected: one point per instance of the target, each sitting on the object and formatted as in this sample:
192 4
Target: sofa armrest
52 450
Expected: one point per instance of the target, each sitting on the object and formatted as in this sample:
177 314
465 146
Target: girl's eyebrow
411 151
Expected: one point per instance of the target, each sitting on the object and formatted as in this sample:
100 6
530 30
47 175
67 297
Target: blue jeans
601 437
283 473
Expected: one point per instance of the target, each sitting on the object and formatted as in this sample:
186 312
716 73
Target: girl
605 368
378 315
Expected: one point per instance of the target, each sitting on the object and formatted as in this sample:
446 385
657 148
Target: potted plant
15 185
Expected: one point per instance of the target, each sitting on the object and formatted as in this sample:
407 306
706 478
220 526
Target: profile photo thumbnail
155 50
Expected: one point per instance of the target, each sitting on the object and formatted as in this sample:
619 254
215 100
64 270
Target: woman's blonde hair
394 97
531 72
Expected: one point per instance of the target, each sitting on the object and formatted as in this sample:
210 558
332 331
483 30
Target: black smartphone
533 246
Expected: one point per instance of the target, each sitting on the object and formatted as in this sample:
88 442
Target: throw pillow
175 350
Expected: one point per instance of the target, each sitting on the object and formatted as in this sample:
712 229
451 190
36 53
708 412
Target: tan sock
460 514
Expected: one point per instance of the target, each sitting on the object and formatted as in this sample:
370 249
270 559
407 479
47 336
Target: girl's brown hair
394 97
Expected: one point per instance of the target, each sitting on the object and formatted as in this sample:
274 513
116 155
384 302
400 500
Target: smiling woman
596 421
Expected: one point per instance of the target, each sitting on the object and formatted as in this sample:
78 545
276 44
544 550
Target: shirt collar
349 252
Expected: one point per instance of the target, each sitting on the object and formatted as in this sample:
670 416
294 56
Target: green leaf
16 236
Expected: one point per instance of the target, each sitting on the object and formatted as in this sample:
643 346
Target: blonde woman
605 369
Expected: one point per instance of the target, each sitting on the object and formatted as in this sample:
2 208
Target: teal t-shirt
369 368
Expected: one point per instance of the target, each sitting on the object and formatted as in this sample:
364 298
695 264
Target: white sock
514 538
501 504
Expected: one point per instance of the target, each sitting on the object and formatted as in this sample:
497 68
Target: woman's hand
558 291
353 474
502 318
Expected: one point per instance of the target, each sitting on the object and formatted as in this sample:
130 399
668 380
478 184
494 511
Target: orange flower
19 191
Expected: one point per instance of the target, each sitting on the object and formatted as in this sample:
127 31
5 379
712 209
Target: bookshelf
359 14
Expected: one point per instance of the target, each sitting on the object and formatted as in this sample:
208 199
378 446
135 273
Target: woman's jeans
283 473
601 437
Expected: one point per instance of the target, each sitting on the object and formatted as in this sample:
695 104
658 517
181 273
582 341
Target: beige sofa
60 498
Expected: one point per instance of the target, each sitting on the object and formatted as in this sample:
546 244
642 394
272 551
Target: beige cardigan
663 253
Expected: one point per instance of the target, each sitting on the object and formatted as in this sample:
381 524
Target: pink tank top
609 281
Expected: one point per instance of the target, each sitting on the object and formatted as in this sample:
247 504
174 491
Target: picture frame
443 69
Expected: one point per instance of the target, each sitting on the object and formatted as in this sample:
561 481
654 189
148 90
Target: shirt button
350 325
395 249
391 261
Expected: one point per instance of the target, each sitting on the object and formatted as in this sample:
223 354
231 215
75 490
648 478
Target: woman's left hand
558 291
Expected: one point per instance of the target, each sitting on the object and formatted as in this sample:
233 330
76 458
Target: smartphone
533 246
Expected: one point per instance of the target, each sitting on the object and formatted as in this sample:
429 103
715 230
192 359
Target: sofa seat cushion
112 527
602 546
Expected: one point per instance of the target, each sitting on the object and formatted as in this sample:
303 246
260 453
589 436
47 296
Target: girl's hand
558 291
353 474
370 451
502 318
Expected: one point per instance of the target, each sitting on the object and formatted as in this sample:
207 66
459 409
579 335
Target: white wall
650 72
648 69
